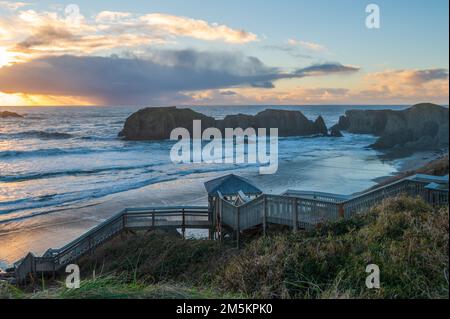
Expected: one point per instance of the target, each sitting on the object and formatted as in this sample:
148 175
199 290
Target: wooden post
341 211
153 219
183 224
264 215
237 228
124 220
210 218
219 218
91 250
295 215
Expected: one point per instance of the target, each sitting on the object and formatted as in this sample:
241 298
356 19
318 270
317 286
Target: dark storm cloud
114 80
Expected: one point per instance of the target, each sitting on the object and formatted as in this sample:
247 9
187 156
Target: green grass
406 238
111 287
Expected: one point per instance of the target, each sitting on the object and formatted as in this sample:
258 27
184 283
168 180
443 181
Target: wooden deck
307 209
297 209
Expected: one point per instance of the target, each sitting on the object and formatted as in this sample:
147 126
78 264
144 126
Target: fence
296 209
129 219
300 209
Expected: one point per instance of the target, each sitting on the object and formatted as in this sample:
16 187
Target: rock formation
6 114
421 127
158 123
334 132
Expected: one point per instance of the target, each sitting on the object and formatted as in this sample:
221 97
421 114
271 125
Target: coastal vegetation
405 237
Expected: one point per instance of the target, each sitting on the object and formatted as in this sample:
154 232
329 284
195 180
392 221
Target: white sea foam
61 156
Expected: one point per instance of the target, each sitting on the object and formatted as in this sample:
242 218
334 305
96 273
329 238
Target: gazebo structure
232 188
437 190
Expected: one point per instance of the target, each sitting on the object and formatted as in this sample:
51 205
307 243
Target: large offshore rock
158 123
421 127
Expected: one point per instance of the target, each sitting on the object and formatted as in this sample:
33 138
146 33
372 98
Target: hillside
406 238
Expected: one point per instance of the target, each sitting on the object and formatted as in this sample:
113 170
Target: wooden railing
129 219
296 209
300 209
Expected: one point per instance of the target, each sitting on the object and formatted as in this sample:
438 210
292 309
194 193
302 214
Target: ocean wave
60 151
75 172
44 135
70 198
43 152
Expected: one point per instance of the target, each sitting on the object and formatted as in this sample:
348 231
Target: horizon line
220 105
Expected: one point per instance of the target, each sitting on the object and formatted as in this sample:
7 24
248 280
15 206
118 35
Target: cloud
228 93
31 33
387 87
46 36
197 29
307 45
315 95
51 40
298 48
11 5
111 16
263 85
114 80
325 69
423 76
292 51
407 77
171 25
400 86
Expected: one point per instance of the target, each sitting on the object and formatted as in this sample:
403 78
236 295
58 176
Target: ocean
57 157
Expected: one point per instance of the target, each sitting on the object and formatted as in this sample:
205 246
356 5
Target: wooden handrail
106 229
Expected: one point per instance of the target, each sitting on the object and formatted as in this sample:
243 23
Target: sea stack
422 127
158 123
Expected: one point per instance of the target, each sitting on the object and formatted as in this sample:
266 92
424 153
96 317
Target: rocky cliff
421 127
158 123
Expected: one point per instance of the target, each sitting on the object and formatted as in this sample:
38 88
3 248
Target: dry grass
405 237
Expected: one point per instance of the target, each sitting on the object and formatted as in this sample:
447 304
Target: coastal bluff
157 123
421 127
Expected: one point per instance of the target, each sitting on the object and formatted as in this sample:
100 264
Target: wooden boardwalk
300 209
53 260
297 209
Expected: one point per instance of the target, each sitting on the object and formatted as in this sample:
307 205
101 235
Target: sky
223 52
